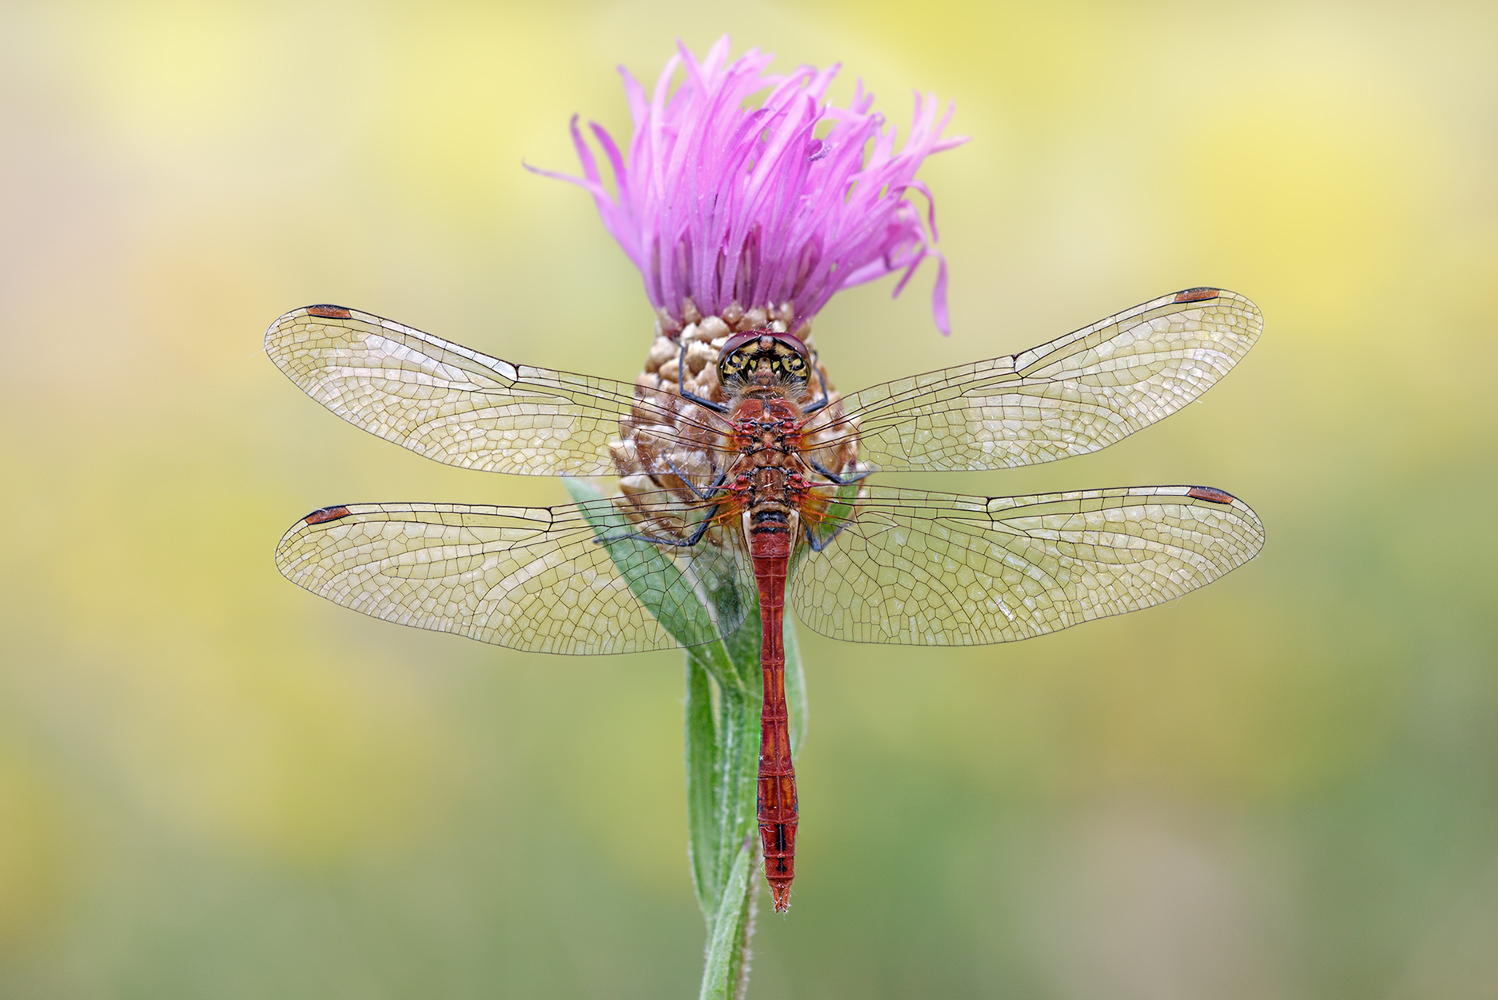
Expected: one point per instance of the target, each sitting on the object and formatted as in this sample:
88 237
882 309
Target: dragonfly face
763 358
765 499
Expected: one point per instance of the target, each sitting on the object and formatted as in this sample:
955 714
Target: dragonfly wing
938 569
448 402
567 579
1079 393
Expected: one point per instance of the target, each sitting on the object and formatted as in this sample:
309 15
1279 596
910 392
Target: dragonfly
745 486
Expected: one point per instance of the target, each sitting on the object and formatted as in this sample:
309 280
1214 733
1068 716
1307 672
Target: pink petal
721 201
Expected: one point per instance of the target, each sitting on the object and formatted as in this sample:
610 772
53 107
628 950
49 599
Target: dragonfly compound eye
778 355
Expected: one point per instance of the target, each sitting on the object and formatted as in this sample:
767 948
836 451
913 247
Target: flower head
727 208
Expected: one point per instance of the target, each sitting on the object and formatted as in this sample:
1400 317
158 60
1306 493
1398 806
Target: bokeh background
214 785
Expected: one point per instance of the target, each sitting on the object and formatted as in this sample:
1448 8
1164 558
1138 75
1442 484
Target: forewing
1079 393
568 579
938 569
448 402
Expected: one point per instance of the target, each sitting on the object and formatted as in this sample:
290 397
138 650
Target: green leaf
704 766
795 687
656 578
727 949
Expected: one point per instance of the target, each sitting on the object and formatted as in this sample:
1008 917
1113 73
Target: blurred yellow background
215 785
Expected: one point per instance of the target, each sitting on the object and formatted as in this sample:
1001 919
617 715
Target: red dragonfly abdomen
770 546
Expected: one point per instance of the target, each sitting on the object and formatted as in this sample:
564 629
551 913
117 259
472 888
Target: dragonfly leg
822 381
680 543
706 494
818 544
681 384
840 480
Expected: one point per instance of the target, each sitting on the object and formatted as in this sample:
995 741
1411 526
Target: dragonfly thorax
765 425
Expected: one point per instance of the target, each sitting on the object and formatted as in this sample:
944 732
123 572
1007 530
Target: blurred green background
215 785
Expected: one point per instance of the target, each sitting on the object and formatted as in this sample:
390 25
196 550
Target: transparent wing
568 579
447 402
938 569
1079 393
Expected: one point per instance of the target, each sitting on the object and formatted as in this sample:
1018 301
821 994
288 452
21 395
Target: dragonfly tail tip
780 892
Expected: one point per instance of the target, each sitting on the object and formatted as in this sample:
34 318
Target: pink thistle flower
727 208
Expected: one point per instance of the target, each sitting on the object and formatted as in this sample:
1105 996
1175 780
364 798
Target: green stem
724 693
722 749
722 765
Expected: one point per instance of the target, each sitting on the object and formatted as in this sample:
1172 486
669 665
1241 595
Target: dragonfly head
763 357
